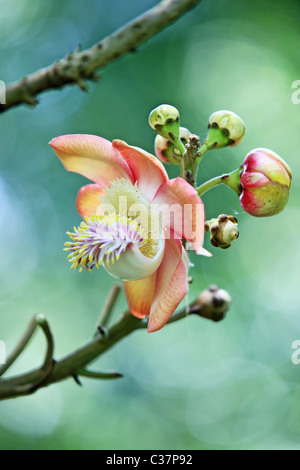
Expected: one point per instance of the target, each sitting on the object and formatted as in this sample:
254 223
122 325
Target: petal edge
147 170
91 156
88 200
182 210
171 286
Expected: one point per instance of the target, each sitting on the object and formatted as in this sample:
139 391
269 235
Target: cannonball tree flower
145 251
265 183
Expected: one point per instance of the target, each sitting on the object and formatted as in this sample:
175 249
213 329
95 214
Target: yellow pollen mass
126 200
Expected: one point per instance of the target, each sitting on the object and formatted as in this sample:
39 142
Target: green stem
209 185
232 180
202 152
180 147
189 170
181 166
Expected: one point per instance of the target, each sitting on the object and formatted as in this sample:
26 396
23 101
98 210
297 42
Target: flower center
102 239
125 199
123 195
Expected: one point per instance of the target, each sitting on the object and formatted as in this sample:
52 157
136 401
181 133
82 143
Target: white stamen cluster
102 239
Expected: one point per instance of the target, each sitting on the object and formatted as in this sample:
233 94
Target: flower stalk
232 180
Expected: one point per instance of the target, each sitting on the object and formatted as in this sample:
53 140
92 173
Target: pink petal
182 211
139 295
253 179
171 285
88 200
91 156
146 169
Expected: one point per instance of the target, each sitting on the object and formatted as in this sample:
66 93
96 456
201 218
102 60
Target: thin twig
99 375
44 325
78 67
109 305
31 328
35 322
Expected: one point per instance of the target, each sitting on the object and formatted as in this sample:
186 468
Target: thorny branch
80 66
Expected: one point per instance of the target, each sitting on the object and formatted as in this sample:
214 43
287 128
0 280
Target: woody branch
211 304
81 66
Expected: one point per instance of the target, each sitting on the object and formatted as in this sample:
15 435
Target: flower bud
166 151
224 128
223 230
165 121
212 303
265 183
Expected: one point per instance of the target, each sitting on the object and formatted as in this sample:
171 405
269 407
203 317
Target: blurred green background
193 385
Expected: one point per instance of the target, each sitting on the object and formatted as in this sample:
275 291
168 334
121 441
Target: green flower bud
223 230
166 151
225 128
165 121
212 303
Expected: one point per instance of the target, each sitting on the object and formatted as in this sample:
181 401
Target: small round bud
165 121
265 183
224 128
223 230
212 303
166 151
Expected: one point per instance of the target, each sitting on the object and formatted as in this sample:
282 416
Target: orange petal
146 169
91 156
140 295
171 285
88 200
182 210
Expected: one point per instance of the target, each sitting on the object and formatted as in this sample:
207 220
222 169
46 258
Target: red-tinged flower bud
166 151
265 183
